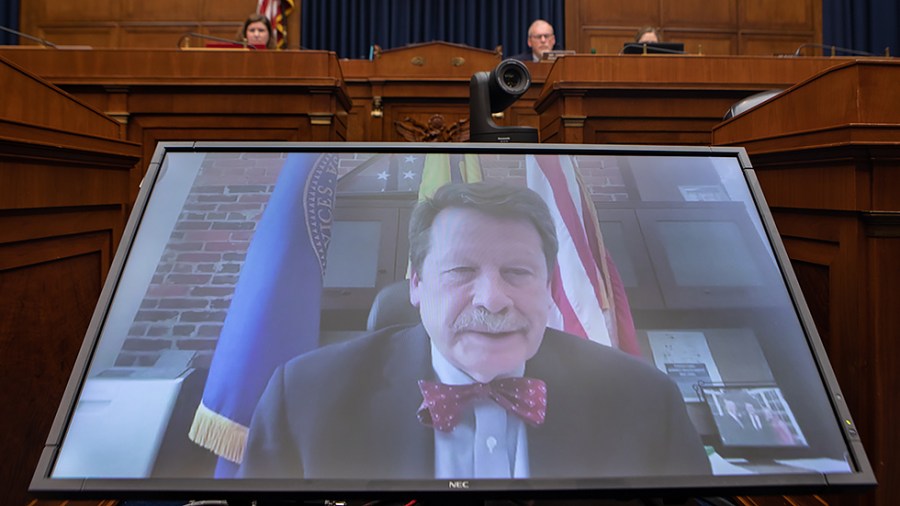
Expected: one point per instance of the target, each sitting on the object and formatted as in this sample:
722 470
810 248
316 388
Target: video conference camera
492 92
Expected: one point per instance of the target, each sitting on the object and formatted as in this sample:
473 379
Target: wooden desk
65 180
212 95
406 87
656 99
306 95
827 154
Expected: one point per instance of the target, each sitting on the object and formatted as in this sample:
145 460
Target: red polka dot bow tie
526 397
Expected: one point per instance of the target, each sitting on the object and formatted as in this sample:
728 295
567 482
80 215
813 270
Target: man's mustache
480 320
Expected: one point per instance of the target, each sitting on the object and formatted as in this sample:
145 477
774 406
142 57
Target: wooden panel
773 14
87 35
128 68
716 25
230 10
824 173
699 13
161 10
616 12
45 313
885 182
204 95
156 36
136 23
855 97
434 60
771 44
90 11
607 41
655 99
86 186
38 103
225 31
838 186
437 86
813 279
65 181
705 43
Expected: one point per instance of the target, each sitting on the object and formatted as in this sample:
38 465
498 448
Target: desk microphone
214 39
834 49
39 40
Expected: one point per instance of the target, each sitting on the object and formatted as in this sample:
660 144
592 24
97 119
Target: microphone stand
834 49
188 35
39 40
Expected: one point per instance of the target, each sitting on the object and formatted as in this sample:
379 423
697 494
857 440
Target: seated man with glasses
540 39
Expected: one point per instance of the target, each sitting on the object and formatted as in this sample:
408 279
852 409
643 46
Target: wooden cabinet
421 93
655 99
65 185
831 177
225 95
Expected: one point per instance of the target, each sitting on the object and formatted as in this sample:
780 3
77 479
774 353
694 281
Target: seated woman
647 34
257 32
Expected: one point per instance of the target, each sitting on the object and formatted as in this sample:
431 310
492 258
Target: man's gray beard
481 320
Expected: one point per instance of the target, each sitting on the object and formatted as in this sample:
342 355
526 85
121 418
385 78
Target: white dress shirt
488 442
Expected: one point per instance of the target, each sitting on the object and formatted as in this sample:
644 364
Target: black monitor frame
46 486
653 48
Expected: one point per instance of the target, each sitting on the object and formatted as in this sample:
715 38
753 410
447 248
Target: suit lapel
408 442
557 447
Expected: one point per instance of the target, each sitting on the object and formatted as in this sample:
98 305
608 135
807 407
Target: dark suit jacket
526 56
349 411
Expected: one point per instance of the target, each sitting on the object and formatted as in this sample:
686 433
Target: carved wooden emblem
435 130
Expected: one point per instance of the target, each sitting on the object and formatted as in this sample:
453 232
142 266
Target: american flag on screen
277 11
588 293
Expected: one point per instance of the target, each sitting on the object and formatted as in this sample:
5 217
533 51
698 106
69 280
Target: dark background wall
350 27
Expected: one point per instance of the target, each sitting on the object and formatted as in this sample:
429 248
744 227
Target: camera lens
512 78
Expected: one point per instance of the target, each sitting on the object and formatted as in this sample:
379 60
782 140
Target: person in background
540 39
257 31
647 34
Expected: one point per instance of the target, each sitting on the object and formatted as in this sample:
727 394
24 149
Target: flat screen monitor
653 48
598 316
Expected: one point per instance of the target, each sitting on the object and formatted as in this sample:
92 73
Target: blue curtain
350 27
862 25
9 17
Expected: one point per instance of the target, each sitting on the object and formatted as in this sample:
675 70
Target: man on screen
481 388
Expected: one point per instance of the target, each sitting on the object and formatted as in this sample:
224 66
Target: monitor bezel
663 48
43 485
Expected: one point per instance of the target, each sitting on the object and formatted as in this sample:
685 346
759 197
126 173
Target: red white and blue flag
587 291
277 11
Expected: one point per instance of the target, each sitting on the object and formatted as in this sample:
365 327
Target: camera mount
492 92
